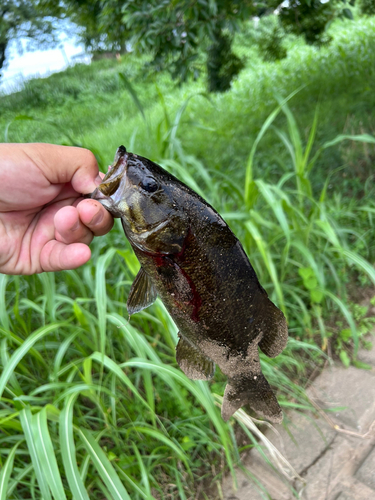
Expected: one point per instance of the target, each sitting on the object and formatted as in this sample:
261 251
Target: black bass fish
193 261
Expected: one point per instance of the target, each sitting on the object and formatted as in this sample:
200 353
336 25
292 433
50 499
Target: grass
94 406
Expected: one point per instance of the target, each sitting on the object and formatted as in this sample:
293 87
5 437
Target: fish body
194 262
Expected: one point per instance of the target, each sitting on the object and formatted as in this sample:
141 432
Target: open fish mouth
105 192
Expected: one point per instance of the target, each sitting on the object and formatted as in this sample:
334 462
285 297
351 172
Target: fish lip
97 195
106 201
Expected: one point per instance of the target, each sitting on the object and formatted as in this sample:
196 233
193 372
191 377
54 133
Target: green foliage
308 18
367 7
270 39
181 34
174 33
342 338
222 64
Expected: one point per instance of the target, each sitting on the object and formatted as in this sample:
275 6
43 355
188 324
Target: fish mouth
106 201
106 191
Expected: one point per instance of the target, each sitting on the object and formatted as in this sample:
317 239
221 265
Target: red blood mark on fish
196 302
169 261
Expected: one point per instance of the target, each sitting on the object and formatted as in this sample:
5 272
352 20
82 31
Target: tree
178 32
175 32
24 19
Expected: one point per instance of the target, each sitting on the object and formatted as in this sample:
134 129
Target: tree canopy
176 32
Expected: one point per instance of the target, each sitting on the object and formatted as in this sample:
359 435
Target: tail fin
255 391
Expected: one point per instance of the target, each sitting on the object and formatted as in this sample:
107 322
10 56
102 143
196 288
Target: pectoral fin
142 293
192 362
275 331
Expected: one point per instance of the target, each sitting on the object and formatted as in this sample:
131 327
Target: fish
192 260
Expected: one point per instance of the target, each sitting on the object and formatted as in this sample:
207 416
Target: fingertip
57 256
66 217
95 217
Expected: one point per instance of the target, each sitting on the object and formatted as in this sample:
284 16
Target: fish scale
190 258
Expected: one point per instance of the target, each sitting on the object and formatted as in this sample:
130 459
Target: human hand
45 225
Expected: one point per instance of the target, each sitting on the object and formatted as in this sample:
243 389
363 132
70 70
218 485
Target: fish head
145 197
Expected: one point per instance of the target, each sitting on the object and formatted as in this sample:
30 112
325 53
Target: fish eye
149 184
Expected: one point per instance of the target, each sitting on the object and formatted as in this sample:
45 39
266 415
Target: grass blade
6 472
361 263
22 351
68 454
46 454
101 295
104 467
132 93
268 261
249 186
4 318
112 366
27 426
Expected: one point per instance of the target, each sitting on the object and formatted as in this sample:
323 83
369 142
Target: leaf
361 263
316 296
348 14
305 272
101 295
79 314
345 359
22 351
310 283
27 424
349 318
68 451
358 138
361 365
133 94
346 334
104 466
6 472
4 318
46 454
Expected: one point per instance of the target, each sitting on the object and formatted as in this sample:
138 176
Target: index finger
62 164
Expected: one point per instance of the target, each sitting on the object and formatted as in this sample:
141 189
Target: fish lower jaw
107 204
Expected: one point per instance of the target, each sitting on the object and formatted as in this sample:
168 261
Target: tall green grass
93 405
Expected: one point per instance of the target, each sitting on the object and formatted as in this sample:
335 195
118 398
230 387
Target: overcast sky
37 63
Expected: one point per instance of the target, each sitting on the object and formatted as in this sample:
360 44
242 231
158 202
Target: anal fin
142 293
192 362
275 331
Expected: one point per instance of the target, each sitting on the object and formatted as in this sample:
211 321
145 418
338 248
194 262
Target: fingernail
97 218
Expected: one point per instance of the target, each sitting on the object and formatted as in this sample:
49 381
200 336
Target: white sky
37 63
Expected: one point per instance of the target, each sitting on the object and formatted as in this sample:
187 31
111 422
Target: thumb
62 164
